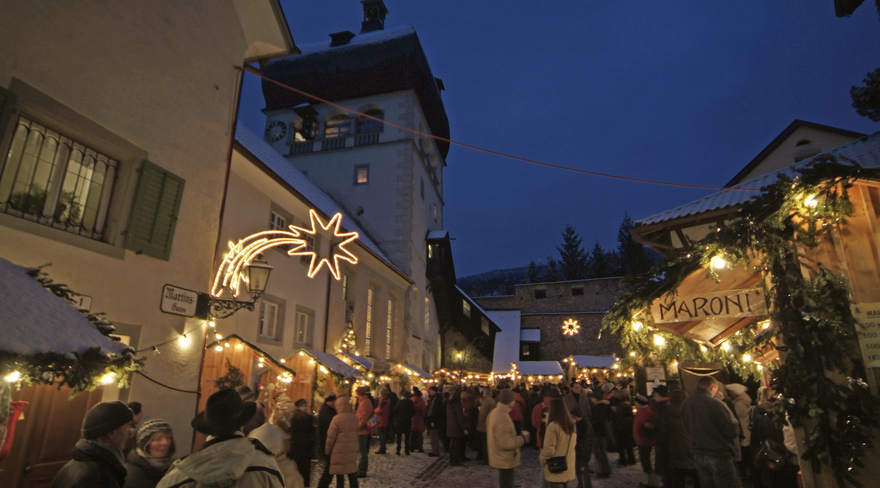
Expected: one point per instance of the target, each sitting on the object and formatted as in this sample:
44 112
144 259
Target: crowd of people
713 438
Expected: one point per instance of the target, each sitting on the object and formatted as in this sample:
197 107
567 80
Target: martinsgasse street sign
179 301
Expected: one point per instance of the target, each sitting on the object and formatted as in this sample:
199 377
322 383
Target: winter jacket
93 464
741 405
383 412
303 434
518 409
581 400
600 414
466 411
711 424
622 423
537 421
558 443
644 415
502 438
680 448
325 416
455 421
418 421
485 408
235 461
436 414
141 474
342 440
364 412
276 439
403 415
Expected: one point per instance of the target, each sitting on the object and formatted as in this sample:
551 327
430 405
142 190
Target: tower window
361 175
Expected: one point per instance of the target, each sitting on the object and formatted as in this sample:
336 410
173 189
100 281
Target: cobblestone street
420 471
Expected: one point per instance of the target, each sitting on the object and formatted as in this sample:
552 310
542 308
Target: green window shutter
7 108
154 213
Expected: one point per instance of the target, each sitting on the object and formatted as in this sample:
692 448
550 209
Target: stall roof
334 364
603 362
36 321
359 359
255 347
417 370
543 368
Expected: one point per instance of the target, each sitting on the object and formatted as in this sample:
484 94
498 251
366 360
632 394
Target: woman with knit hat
150 459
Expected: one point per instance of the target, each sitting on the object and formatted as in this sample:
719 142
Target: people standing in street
622 426
153 454
456 429
576 397
660 397
303 433
435 416
403 416
713 429
417 438
560 440
600 411
503 439
644 435
325 416
485 407
681 457
364 412
742 403
342 447
246 463
383 413
97 457
584 448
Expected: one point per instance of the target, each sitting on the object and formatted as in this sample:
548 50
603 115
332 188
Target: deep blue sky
687 92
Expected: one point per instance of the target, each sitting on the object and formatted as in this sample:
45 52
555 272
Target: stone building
545 308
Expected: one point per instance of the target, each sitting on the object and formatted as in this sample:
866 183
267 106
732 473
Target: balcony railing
333 143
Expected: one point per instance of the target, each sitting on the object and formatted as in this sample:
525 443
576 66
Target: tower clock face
275 131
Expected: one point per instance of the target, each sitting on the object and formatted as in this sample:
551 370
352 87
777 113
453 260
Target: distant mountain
496 282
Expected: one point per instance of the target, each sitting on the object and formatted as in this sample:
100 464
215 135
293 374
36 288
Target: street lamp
258 276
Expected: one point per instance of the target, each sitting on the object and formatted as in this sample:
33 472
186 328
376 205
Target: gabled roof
371 63
780 139
864 151
297 181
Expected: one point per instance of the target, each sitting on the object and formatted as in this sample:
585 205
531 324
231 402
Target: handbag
771 455
373 422
559 464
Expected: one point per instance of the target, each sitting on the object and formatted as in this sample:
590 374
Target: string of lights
256 72
155 347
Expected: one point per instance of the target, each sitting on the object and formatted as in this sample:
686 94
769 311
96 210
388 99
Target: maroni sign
179 301
705 306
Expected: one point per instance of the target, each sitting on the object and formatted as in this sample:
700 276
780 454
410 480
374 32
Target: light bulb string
169 341
257 73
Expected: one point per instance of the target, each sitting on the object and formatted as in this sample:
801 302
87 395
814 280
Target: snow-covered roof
864 151
603 362
334 364
472 302
302 184
417 370
542 368
36 321
530 335
358 41
366 363
506 341
438 234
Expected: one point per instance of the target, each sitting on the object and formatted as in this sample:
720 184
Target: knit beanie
149 429
506 396
104 418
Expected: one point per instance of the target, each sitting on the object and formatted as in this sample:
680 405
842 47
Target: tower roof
370 63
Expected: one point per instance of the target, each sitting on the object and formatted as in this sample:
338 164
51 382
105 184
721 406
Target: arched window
365 124
337 126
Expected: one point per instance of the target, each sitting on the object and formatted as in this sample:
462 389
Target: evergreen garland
79 372
811 320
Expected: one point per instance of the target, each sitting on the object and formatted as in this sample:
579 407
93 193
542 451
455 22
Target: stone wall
471 358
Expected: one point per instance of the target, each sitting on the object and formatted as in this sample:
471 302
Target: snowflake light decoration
570 327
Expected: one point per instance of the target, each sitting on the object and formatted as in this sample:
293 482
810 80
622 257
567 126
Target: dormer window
337 126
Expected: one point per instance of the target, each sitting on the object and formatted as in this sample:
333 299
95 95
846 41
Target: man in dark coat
713 428
600 412
325 416
303 430
97 457
435 417
456 428
403 414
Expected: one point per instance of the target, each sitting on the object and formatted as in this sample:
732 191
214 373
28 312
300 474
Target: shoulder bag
559 464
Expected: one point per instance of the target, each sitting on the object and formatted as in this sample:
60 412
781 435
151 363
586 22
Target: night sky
686 92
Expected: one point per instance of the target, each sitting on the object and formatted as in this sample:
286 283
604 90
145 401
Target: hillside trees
573 262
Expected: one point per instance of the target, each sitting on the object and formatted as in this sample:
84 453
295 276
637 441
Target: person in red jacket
418 422
518 411
383 413
549 394
364 412
643 433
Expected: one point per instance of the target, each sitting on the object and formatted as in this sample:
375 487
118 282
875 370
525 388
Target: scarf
162 464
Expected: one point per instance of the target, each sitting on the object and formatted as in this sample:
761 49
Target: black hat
223 413
662 390
104 418
245 393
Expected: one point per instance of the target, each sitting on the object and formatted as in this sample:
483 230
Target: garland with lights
810 316
79 372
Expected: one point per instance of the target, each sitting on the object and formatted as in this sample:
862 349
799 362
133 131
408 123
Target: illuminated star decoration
233 269
570 327
337 245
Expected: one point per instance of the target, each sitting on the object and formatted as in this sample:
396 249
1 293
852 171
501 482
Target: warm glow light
633 354
747 358
760 368
345 237
218 336
12 377
302 353
211 323
811 201
184 340
108 378
239 346
718 262
570 327
282 360
637 326
659 341
725 346
218 348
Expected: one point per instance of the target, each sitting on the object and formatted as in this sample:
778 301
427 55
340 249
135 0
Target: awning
269 357
530 335
539 368
334 364
600 362
417 370
366 363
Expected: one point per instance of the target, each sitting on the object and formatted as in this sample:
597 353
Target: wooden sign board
705 306
868 331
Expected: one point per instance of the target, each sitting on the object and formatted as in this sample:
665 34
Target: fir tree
599 262
574 259
532 273
632 257
552 270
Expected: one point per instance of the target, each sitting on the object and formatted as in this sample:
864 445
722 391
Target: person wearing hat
97 457
325 416
364 412
148 462
228 458
503 440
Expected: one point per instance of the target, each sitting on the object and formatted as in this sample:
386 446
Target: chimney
374 16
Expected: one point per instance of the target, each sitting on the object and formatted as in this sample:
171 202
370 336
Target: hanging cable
155 347
166 386
257 73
